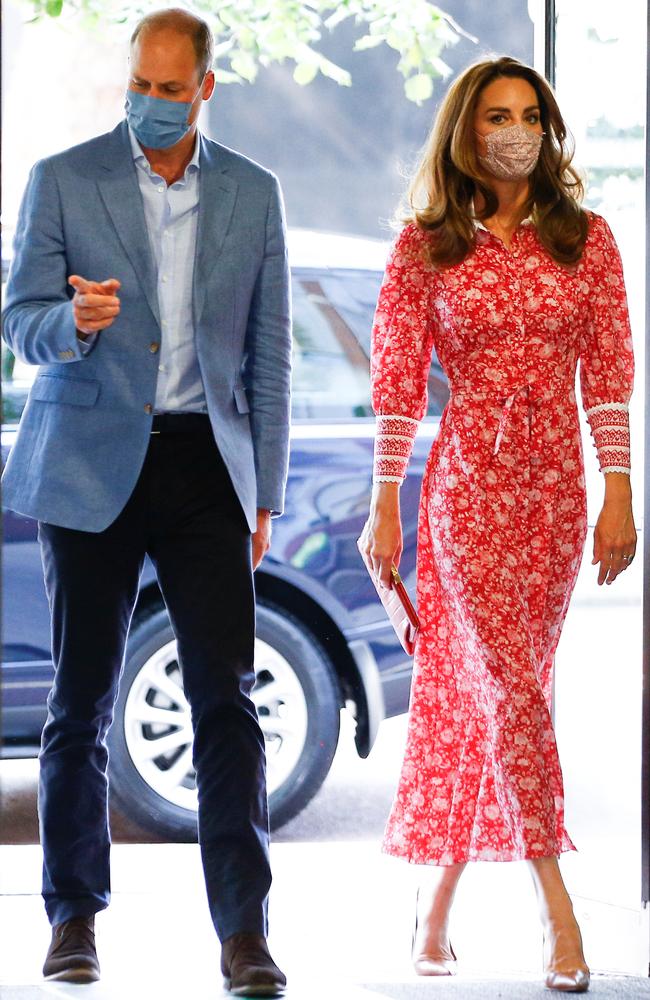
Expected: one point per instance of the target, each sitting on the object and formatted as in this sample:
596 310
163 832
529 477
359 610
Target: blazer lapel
217 197
120 193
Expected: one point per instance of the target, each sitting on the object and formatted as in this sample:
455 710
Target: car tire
315 674
298 703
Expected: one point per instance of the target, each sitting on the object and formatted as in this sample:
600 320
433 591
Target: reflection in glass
332 322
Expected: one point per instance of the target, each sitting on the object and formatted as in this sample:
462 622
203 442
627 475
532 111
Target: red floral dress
502 520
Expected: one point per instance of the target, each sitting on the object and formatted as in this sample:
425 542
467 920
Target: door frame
550 23
645 751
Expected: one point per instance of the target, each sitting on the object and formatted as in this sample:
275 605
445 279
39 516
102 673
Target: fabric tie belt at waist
536 393
505 416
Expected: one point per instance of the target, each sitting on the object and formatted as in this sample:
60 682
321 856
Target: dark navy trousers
185 515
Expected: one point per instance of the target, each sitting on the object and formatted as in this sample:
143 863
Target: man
150 283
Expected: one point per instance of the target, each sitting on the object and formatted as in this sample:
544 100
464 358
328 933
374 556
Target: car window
16 377
333 312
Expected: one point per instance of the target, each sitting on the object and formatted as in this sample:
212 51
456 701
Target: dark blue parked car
323 640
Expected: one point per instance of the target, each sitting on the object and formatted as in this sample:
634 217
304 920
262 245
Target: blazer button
154 347
148 408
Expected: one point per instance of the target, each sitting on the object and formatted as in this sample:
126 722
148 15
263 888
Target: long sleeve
402 345
606 355
39 324
267 373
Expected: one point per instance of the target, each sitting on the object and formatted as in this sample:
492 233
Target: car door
26 662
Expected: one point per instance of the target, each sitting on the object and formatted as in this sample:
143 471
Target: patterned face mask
512 152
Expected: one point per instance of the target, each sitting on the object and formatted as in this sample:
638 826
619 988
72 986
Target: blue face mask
157 122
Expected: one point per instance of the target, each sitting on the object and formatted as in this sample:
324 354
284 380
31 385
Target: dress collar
528 221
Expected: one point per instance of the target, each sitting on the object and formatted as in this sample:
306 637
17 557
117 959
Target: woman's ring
629 558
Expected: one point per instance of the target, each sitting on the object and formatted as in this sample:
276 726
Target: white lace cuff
610 429
394 437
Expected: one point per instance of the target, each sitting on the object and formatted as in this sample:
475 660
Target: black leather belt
180 423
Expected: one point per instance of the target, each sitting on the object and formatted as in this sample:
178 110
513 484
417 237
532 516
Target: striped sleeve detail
610 429
394 437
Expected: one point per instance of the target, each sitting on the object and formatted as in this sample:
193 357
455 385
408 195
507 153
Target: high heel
431 965
566 976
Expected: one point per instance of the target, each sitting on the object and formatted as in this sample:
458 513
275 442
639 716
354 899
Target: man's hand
262 537
95 304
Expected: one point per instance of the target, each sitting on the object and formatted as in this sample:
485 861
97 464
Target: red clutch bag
399 608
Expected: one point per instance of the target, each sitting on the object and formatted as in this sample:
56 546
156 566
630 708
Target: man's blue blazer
85 430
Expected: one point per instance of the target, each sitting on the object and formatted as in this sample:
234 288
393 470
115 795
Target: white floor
340 917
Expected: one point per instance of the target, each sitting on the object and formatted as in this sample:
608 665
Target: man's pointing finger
78 283
83 286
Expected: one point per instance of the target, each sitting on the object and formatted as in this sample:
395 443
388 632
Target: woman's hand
615 534
381 539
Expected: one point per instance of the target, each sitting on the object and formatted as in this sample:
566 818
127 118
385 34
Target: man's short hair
177 19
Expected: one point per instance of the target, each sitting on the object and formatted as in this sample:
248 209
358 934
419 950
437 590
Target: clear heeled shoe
431 965
565 976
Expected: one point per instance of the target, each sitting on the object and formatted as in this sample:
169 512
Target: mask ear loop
197 93
200 87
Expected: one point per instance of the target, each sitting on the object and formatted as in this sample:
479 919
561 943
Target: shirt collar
141 160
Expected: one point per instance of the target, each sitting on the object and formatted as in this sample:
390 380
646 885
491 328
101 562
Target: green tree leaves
419 88
253 33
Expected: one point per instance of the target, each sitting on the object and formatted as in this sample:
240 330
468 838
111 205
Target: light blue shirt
171 215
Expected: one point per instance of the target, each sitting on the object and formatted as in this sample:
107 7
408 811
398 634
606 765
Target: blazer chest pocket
241 400
62 389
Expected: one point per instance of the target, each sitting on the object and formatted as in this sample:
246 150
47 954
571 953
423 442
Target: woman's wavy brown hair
449 174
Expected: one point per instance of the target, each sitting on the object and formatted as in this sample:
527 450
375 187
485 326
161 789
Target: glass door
596 56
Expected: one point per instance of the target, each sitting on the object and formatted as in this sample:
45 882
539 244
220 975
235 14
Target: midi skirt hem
443 858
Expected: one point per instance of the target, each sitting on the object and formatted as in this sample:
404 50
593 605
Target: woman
502 272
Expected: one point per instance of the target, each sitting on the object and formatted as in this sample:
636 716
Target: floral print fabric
502 521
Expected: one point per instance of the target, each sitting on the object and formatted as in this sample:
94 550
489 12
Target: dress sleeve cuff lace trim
610 429
394 437
604 407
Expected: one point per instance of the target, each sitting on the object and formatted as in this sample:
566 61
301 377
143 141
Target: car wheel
150 742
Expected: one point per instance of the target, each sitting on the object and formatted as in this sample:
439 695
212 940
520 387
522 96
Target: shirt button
154 346
148 408
160 190
164 279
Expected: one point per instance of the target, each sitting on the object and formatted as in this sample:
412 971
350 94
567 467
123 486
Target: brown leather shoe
248 969
71 957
